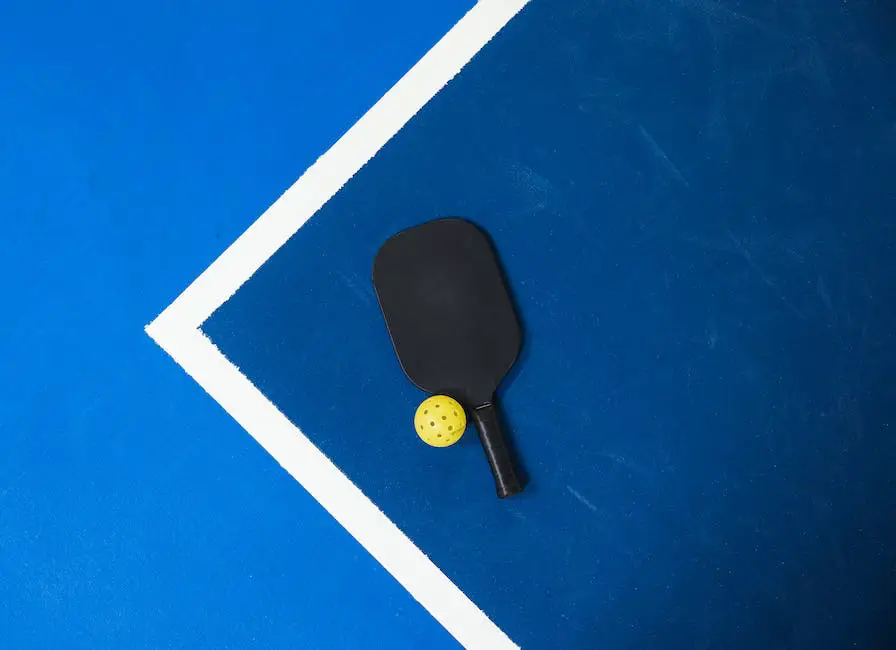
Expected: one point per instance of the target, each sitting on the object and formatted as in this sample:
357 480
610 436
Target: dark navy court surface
695 204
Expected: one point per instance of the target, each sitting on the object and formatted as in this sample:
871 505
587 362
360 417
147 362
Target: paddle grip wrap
492 437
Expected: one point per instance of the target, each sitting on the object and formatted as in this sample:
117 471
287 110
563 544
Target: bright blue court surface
694 204
136 142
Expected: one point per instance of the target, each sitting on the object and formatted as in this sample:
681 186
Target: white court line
176 329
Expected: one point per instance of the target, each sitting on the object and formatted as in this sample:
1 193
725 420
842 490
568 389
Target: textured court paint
334 168
341 498
137 140
175 329
693 203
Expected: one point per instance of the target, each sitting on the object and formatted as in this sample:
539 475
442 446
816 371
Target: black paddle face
447 310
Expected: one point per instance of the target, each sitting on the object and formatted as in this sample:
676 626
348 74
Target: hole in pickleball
450 428
426 412
432 424
438 405
444 417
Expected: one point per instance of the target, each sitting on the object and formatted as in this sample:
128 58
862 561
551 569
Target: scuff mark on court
581 499
670 167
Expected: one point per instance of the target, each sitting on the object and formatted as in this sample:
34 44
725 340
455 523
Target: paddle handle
491 435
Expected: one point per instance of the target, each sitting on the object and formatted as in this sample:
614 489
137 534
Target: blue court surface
695 206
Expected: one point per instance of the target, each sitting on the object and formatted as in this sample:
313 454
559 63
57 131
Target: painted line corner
177 329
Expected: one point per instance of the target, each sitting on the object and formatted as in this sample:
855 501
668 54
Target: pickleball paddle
452 323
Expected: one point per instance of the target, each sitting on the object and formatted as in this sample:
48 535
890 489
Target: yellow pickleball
440 421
